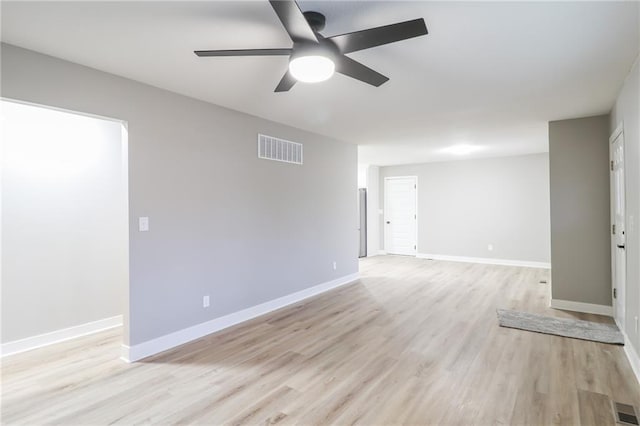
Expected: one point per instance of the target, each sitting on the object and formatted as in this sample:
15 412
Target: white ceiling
488 74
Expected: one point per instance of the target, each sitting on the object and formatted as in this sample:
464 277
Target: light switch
143 224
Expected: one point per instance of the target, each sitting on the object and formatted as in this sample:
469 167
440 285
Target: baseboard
587 308
34 342
632 355
382 252
485 260
171 340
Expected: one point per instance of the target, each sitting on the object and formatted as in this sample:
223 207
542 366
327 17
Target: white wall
222 222
627 111
362 175
464 206
64 220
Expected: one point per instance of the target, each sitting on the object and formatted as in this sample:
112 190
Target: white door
400 215
618 241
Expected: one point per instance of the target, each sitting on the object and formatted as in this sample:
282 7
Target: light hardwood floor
413 342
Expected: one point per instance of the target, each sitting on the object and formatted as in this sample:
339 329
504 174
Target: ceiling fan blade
286 83
293 21
244 52
354 69
359 40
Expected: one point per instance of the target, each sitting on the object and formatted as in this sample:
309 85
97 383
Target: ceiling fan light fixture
314 57
311 68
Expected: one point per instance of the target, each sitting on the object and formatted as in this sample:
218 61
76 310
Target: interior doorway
65 226
400 215
618 212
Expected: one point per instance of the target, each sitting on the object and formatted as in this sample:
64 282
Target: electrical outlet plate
205 301
143 224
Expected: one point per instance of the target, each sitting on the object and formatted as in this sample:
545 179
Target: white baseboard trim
485 260
587 308
34 342
382 252
632 355
177 338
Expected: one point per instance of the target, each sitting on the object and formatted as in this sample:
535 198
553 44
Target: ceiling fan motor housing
316 20
325 48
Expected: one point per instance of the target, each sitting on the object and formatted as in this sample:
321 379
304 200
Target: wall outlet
205 301
490 247
143 224
335 265
636 324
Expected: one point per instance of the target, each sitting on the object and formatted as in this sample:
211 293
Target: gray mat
576 329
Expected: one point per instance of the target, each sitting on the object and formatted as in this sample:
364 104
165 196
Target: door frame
386 203
618 132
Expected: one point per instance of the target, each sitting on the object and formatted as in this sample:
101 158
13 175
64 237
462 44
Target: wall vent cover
270 148
626 414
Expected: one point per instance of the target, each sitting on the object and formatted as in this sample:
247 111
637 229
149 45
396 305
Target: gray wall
463 206
222 222
580 241
627 111
64 220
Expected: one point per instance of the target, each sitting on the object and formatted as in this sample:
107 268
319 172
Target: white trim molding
34 342
587 308
485 260
180 337
382 252
632 355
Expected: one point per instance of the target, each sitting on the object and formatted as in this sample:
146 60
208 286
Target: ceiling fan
314 58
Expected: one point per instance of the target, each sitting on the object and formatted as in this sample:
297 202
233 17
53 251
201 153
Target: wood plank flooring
412 342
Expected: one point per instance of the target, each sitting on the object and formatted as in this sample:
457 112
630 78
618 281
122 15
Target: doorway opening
65 225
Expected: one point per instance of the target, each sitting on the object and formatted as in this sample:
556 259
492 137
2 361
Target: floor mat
576 329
